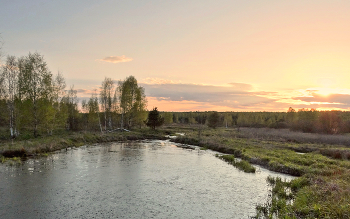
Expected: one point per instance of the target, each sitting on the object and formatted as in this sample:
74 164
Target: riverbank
134 179
323 187
43 145
322 163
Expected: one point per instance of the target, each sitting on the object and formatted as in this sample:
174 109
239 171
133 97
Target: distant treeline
35 102
305 120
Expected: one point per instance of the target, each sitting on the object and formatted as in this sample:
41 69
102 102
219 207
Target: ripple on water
150 179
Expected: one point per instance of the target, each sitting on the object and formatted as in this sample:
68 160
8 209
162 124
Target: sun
325 91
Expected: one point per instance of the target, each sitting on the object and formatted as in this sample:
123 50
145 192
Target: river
148 179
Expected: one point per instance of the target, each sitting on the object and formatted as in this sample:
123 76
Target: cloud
81 90
171 95
158 81
87 92
241 86
331 98
116 59
238 97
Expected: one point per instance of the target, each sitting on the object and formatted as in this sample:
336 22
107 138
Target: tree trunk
121 121
99 122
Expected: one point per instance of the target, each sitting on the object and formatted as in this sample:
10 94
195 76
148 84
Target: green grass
242 165
44 145
322 189
245 166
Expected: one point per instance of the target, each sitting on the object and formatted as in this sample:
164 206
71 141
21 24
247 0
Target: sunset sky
224 55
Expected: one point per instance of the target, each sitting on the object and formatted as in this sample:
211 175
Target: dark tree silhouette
213 119
154 119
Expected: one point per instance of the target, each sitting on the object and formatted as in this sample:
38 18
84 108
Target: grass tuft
242 165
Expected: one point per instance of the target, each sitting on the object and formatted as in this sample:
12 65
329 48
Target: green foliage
31 98
108 103
228 120
321 191
71 105
35 87
213 119
93 113
66 139
245 166
133 102
305 120
329 122
154 119
168 117
228 158
242 165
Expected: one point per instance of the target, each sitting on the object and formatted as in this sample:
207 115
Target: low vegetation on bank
242 164
322 189
39 146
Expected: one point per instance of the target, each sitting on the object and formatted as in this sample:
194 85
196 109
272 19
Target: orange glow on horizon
182 106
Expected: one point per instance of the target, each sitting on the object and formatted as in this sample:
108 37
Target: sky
223 55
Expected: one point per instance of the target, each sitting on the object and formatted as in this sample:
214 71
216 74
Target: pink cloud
116 59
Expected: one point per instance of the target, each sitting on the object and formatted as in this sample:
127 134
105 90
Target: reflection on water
153 179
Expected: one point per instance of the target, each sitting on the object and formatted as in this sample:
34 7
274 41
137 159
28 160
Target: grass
242 165
47 144
284 135
11 161
321 162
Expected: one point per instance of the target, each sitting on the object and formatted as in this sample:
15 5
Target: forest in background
305 120
34 102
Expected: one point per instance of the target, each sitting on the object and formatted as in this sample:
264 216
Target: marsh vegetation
240 164
322 189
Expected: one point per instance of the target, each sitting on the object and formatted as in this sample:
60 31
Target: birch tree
57 113
71 102
132 101
227 119
139 112
94 111
34 82
106 100
9 90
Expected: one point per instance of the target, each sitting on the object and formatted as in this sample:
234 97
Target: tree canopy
154 119
34 101
213 119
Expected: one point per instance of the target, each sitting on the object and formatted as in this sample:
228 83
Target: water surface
153 179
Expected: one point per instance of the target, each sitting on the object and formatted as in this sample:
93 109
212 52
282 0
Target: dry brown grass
285 135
